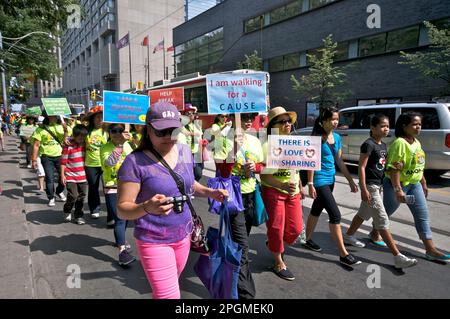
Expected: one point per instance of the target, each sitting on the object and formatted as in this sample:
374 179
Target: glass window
365 117
372 45
291 61
277 15
318 3
253 24
293 8
366 102
430 118
342 51
276 64
402 39
215 46
347 120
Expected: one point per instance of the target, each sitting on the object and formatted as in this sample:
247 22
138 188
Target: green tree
434 63
32 56
251 62
324 82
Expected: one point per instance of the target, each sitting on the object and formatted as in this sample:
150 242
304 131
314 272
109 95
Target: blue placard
236 93
124 107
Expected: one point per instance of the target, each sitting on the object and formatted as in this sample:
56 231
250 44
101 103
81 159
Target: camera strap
178 180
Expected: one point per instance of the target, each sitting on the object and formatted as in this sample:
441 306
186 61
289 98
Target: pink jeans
163 264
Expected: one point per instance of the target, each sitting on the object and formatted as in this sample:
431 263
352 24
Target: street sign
294 152
236 93
124 107
56 106
174 96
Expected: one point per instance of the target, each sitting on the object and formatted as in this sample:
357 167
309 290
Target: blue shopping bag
260 214
233 185
219 271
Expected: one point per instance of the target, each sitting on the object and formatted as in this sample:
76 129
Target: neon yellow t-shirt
94 141
48 145
222 144
110 172
411 155
250 150
282 175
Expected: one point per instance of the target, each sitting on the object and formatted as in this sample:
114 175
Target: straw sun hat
277 111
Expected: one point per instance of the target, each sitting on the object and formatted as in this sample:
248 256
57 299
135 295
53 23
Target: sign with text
56 106
124 108
236 93
294 152
174 96
35 110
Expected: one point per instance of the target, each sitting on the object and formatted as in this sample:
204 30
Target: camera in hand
178 203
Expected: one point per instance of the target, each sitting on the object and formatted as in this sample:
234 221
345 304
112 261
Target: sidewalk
15 272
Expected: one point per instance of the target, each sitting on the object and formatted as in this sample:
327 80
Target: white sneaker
68 217
401 261
80 221
62 197
95 215
51 202
111 223
29 166
351 240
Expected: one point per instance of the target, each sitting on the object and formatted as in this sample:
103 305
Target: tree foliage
435 62
251 62
33 56
324 82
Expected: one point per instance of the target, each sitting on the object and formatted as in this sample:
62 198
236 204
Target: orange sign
173 95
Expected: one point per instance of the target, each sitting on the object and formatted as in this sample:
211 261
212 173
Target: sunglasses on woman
117 130
162 133
284 122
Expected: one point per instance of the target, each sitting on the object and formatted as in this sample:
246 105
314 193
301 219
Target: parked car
354 126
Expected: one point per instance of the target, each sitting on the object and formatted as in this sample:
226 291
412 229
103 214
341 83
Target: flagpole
148 61
164 59
129 58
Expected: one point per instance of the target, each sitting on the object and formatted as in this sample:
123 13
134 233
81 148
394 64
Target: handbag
260 214
199 243
233 185
219 271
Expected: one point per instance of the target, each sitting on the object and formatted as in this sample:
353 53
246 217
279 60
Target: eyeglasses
116 130
162 133
284 122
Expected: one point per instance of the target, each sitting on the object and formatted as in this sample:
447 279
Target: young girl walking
372 162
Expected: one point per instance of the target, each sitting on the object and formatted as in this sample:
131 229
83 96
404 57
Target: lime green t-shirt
411 155
110 172
222 144
48 145
250 150
282 175
94 141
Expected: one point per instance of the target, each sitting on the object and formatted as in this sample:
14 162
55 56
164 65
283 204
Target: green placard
57 106
35 110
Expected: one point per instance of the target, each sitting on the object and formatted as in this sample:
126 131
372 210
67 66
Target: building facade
283 32
91 59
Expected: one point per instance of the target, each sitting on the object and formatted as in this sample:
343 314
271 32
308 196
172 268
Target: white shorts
40 169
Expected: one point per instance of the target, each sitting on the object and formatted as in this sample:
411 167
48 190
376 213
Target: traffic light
139 86
93 95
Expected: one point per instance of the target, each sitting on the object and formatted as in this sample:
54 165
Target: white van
354 127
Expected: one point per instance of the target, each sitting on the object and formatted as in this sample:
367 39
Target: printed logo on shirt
420 157
382 161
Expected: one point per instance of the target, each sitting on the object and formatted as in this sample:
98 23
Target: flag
123 42
170 49
159 46
145 42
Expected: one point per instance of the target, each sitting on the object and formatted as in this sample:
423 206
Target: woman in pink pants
145 190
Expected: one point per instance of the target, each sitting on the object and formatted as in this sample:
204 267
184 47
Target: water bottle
410 199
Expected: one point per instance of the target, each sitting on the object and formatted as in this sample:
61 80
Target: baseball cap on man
163 115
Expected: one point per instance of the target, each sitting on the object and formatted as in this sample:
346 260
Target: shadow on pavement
16 183
15 193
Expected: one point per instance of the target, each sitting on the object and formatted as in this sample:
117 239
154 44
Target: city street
40 252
